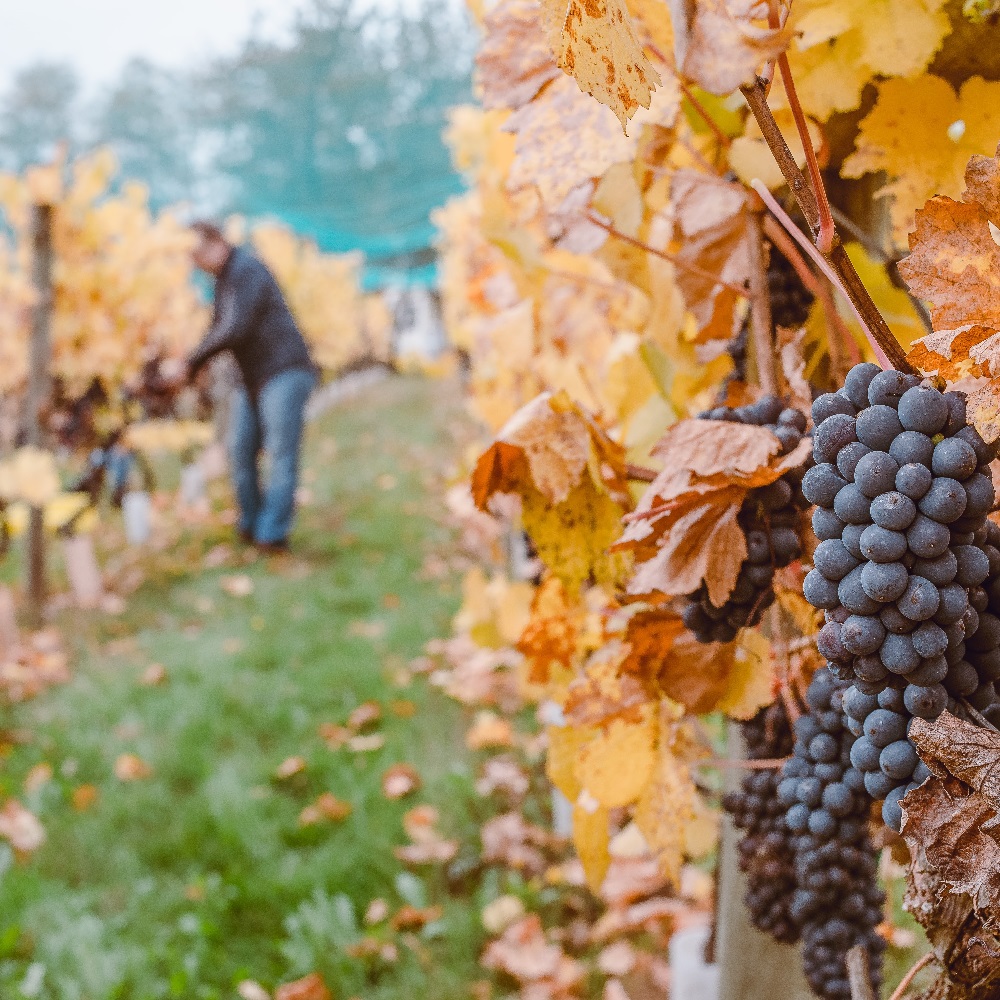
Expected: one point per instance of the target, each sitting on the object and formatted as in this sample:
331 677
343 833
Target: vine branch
859 975
904 983
837 257
761 328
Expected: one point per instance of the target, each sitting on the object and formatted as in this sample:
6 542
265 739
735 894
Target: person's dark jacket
253 321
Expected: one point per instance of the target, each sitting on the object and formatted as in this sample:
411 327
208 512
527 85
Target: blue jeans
273 423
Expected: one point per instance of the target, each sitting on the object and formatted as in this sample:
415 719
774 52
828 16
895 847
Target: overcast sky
99 36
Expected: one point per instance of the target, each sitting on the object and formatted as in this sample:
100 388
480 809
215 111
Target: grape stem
713 125
904 983
859 975
843 342
763 764
640 474
681 265
838 261
977 716
825 266
761 328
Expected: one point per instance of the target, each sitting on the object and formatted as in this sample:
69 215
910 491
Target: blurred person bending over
253 322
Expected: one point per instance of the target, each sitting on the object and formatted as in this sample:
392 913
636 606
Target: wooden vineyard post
752 965
39 350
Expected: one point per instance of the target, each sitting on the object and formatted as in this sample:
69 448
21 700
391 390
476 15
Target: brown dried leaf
957 832
311 987
967 752
712 221
719 43
717 447
399 781
514 61
595 42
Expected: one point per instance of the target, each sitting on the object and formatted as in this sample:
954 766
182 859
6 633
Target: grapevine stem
859 975
826 267
762 764
760 312
663 255
640 474
977 716
904 983
847 278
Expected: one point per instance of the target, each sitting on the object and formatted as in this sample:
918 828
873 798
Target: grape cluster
765 854
771 519
902 487
837 903
790 299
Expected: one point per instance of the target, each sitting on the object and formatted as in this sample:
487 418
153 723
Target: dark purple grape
876 473
945 501
898 654
912 448
887 387
955 458
927 538
929 639
849 456
826 525
830 403
973 565
852 506
883 727
925 702
833 560
920 601
877 427
820 592
882 545
940 571
893 510
831 435
914 480
862 634
884 582
821 484
923 409
898 760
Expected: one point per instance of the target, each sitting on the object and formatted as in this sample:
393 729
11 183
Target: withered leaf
957 831
514 61
720 45
969 753
595 42
714 447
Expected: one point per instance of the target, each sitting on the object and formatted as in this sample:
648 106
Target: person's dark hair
208 229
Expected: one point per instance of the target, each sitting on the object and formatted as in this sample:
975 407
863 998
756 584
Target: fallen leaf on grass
413 918
129 767
365 744
617 959
489 730
251 990
378 910
83 797
154 675
524 953
312 987
428 846
391 601
503 774
239 585
366 630
326 808
20 828
386 482
289 767
112 604
333 735
399 781
232 646
403 708
40 774
217 556
501 913
366 714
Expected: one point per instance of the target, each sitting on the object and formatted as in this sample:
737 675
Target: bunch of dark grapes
765 849
771 519
902 487
790 299
837 903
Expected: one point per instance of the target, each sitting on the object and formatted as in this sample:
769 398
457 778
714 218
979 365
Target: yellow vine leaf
751 679
595 42
591 839
615 766
565 744
925 154
841 44
573 537
666 811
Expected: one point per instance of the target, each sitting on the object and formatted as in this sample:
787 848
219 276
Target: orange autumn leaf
550 638
311 987
413 918
489 730
326 807
129 767
954 264
368 713
84 796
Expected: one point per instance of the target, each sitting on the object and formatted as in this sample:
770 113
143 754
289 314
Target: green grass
188 882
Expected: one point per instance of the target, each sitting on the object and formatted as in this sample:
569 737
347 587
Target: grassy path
186 882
